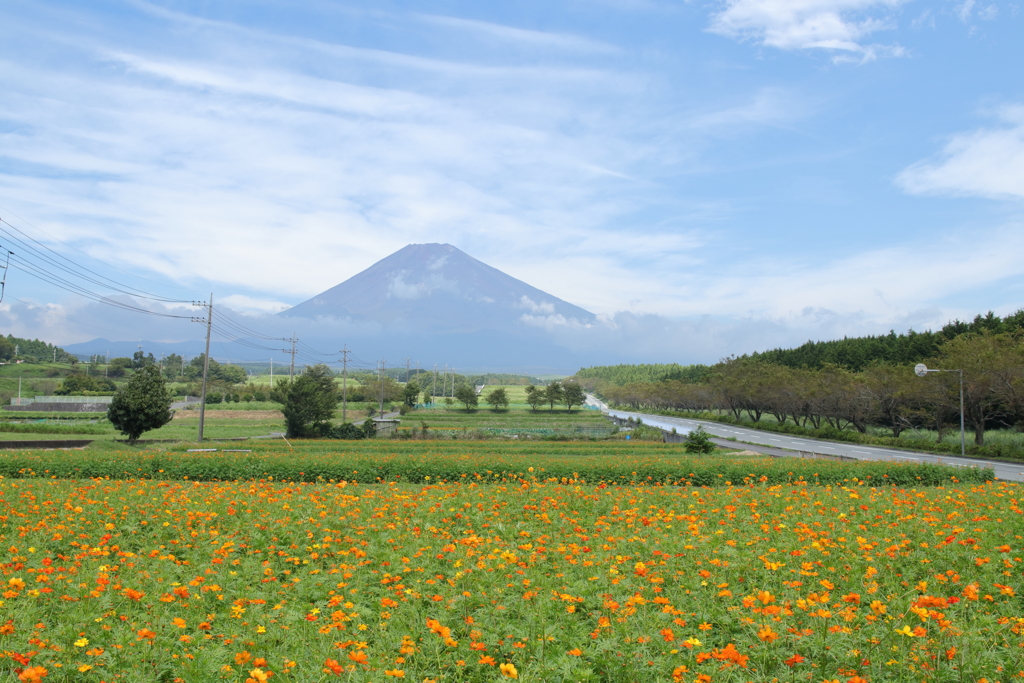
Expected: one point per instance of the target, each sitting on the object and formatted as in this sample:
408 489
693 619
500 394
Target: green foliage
229 374
573 394
36 350
653 372
309 402
6 348
372 461
369 428
534 396
348 431
698 441
52 428
906 349
141 360
411 392
172 365
466 395
78 384
554 393
497 398
117 366
142 404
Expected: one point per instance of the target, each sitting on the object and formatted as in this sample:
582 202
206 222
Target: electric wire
92 276
69 246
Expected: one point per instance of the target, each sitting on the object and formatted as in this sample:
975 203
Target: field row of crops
537 580
616 462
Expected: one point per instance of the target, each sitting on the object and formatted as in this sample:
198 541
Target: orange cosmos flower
508 671
488 660
575 652
359 657
242 657
332 666
32 674
258 676
145 634
794 660
394 673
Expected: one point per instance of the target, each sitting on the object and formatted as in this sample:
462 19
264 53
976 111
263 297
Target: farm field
232 420
513 575
516 417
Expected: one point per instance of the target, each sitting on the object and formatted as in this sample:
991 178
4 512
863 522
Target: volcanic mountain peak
437 286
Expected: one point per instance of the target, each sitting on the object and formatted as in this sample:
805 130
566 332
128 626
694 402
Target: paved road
1008 471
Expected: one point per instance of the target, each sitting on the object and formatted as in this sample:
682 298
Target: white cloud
400 289
529 304
964 9
241 302
837 25
988 162
508 34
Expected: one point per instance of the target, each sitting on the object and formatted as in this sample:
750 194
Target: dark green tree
172 366
117 366
534 396
309 402
698 441
411 393
466 395
573 395
141 360
554 393
497 398
142 404
6 348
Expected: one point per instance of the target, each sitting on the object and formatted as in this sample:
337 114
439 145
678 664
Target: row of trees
569 393
857 353
881 394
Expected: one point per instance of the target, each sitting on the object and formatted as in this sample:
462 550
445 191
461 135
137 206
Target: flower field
529 577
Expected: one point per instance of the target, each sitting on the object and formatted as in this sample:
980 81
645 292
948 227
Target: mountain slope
439 288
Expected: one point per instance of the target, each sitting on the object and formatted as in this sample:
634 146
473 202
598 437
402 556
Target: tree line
879 393
856 353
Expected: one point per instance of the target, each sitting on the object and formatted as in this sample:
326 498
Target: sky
776 170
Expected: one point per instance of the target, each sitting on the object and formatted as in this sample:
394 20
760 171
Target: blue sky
793 170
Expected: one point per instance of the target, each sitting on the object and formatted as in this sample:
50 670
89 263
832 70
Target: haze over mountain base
432 303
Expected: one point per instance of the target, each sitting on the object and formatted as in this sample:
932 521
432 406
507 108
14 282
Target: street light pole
921 370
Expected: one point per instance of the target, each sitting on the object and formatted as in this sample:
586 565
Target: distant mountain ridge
440 288
428 302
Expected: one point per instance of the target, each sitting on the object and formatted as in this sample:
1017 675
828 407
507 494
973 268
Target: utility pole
380 377
433 385
206 361
407 364
453 381
344 384
291 371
